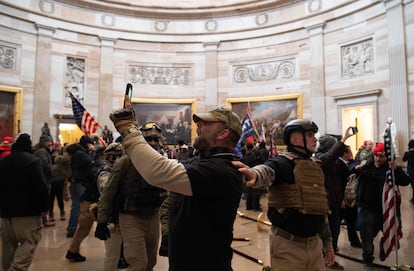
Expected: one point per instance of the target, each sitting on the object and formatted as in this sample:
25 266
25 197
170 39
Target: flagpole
389 122
397 266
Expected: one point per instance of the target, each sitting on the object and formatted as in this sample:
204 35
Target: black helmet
298 125
150 129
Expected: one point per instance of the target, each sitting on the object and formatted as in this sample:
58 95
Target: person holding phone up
208 187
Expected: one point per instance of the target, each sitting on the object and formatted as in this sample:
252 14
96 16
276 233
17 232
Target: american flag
391 223
272 148
84 119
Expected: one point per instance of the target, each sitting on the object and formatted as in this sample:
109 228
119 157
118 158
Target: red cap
7 140
379 148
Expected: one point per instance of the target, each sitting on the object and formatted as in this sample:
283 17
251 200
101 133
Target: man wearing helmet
208 187
139 204
297 201
107 212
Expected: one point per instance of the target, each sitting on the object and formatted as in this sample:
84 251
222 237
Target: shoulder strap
284 168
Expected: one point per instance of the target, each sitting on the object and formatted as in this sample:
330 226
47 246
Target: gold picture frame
10 110
173 115
269 113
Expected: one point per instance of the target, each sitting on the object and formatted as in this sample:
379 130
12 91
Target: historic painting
269 114
10 111
173 116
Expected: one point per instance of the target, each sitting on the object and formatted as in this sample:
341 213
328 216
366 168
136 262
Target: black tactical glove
164 246
102 231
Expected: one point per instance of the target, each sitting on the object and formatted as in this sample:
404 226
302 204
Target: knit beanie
23 143
44 138
411 144
326 142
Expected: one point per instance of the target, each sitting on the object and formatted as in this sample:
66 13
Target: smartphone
354 130
128 92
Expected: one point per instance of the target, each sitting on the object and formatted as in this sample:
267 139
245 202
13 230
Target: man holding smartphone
208 187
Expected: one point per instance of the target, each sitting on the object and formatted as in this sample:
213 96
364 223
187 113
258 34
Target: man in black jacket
42 150
370 188
81 160
89 196
206 184
345 165
23 198
328 152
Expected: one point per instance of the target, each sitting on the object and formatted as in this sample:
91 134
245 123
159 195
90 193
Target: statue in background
107 135
46 131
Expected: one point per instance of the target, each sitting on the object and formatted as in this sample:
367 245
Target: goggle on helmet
150 129
114 149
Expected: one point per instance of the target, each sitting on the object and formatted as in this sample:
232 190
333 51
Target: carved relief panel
8 57
75 78
164 74
357 59
264 71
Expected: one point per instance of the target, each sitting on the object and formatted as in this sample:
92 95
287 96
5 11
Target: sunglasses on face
151 138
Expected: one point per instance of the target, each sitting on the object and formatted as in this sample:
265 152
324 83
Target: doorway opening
361 117
10 110
69 133
67 130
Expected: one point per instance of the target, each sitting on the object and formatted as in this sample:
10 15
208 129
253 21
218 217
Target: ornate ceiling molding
135 8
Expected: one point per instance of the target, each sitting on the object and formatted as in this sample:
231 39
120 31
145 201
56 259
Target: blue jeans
370 224
76 190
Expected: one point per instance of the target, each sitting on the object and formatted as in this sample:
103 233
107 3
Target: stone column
41 96
106 82
317 75
398 88
211 98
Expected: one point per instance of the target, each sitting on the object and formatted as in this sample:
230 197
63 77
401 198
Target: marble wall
335 53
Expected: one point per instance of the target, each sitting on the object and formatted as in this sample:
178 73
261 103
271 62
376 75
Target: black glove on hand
124 120
164 246
102 231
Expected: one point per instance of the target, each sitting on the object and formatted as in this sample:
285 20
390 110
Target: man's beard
155 146
201 143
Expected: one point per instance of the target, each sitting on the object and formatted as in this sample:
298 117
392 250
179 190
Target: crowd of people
137 188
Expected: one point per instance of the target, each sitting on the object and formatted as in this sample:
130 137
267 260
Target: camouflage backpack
350 196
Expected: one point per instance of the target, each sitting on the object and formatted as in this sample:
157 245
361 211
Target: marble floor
50 254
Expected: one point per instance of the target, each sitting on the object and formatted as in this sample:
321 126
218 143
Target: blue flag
247 130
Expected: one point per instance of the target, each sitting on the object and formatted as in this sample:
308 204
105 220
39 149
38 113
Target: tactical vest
307 193
136 193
